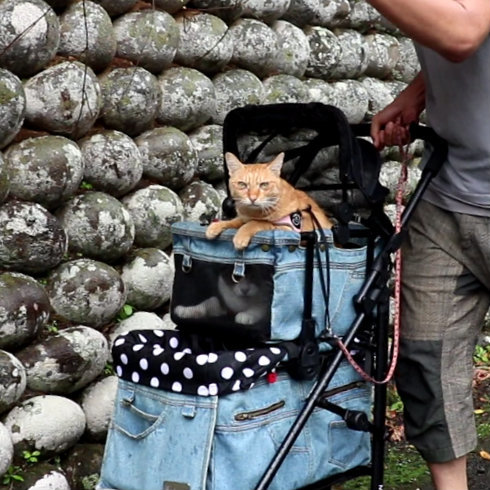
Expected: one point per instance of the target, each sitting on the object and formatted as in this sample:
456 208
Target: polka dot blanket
175 361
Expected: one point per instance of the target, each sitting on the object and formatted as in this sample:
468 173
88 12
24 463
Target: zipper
341 389
258 413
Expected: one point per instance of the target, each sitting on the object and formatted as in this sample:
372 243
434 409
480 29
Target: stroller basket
255 394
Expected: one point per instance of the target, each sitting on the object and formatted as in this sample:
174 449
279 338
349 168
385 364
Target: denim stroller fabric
280 258
165 441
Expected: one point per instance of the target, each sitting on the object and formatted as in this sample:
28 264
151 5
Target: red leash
397 290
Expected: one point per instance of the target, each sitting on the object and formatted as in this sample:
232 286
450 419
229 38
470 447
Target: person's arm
391 125
453 28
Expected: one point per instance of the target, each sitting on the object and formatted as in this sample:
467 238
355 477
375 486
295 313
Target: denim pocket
157 438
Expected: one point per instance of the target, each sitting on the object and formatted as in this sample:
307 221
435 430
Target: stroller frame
359 161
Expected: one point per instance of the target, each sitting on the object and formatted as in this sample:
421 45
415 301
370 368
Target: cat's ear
276 165
232 162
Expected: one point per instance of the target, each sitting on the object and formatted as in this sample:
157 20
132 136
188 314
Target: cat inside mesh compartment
216 297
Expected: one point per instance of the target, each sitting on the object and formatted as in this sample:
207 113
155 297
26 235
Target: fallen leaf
479 411
484 455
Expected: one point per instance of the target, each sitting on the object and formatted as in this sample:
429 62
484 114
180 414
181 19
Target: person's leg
450 475
442 312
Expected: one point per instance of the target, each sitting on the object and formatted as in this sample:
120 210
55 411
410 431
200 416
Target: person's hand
390 127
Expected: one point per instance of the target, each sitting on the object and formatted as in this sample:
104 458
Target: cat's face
255 187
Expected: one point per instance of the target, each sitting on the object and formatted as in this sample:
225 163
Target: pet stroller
270 393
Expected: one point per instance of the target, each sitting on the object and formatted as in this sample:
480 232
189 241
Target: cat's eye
241 185
264 185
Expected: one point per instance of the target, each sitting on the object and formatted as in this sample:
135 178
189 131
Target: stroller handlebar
437 145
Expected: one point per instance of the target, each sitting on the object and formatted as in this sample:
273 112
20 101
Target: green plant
13 474
481 356
109 369
86 186
125 312
52 327
31 457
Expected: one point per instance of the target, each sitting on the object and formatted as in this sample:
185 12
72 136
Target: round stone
24 308
187 98
63 99
407 65
97 403
255 46
86 291
12 106
149 38
383 55
283 89
29 36
332 13
98 226
302 12
168 156
13 381
352 98
267 11
148 276
379 95
354 57
320 91
65 362
325 52
204 42
113 162
228 10
293 48
208 143
235 88
46 169
6 449
154 209
4 180
86 33
49 423
202 202
130 99
31 238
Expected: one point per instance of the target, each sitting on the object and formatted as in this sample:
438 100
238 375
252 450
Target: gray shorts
445 295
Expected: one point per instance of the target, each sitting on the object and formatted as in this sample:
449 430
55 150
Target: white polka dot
227 373
202 359
164 368
203 391
124 358
142 338
176 386
212 357
173 342
135 377
240 356
187 351
157 350
264 361
188 374
137 347
179 355
213 389
236 385
143 364
119 371
248 373
119 342
154 382
276 351
159 333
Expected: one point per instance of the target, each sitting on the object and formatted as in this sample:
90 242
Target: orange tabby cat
265 201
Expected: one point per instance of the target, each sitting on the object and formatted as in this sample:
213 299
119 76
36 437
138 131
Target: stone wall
111 114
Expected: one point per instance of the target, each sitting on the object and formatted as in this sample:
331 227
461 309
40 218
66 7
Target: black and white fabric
175 361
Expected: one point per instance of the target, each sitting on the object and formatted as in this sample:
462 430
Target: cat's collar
292 220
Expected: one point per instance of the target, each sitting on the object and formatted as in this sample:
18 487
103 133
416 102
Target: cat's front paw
241 240
214 229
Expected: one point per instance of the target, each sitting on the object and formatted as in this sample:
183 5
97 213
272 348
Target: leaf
484 455
479 411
